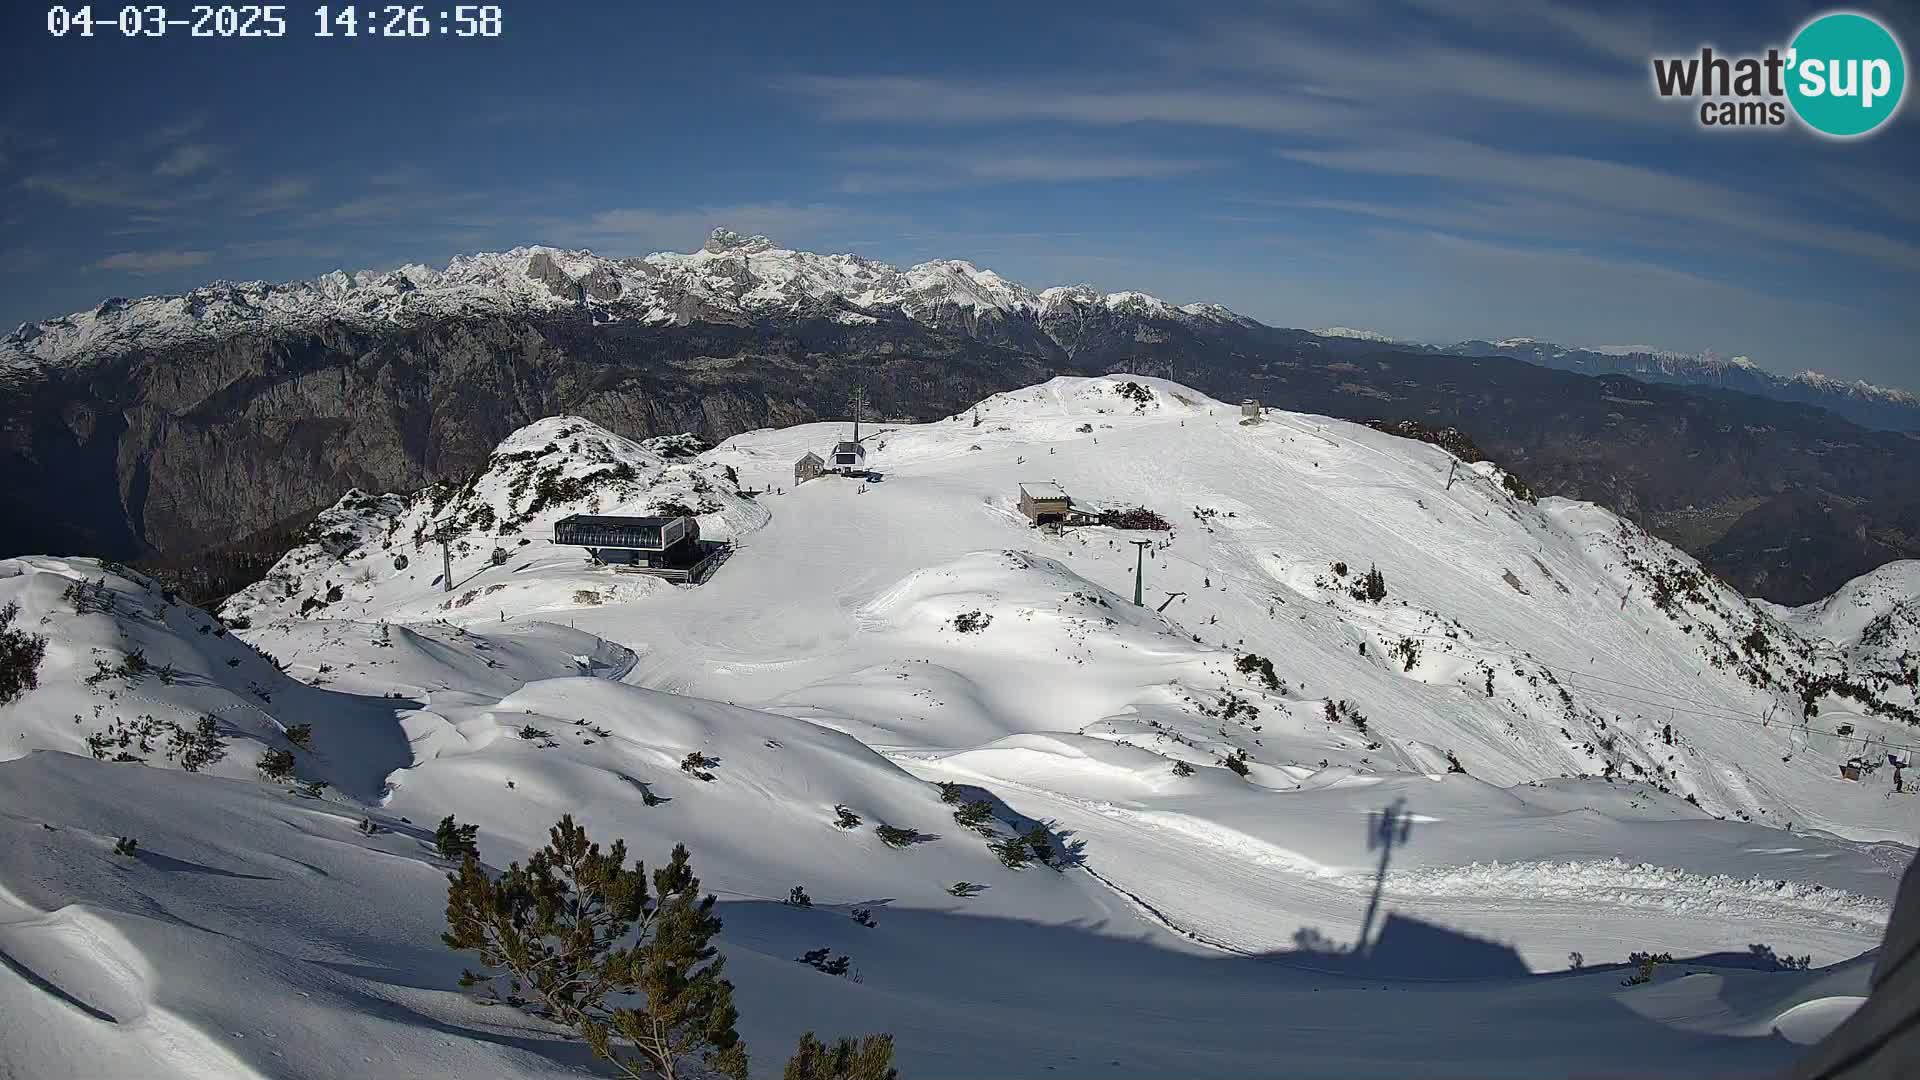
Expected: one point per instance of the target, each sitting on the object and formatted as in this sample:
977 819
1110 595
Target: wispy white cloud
895 169
283 193
1093 102
1627 189
152 262
185 160
108 186
22 260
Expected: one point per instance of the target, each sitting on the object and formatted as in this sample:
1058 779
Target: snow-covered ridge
1858 388
1355 334
730 276
368 552
1678 364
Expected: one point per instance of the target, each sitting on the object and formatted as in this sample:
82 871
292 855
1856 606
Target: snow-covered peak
724 240
1077 397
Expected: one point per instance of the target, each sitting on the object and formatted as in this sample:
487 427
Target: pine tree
574 926
869 1059
276 764
454 840
1374 587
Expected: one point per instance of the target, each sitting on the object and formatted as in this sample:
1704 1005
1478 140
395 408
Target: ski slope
1638 769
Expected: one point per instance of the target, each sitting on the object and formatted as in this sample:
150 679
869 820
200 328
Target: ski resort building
665 547
809 467
1046 504
849 456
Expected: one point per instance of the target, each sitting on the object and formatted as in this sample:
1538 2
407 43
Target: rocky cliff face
198 444
171 424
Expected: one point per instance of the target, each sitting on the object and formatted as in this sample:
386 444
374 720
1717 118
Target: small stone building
1250 407
1045 504
809 467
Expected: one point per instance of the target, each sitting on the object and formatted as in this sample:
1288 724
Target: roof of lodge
808 454
1045 491
615 519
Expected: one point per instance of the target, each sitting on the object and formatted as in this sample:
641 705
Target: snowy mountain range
1857 400
730 277
1594 746
733 277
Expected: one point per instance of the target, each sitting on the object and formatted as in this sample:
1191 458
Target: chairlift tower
1139 569
857 404
443 534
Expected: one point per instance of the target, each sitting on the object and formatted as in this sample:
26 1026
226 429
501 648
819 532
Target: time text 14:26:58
271 21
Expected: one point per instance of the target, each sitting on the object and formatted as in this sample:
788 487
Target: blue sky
1435 170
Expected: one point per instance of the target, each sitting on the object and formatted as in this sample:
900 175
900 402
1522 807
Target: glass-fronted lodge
629 533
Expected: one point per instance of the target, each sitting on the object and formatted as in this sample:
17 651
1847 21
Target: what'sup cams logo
1844 75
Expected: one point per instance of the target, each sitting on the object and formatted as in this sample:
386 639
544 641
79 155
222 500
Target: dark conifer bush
454 840
276 764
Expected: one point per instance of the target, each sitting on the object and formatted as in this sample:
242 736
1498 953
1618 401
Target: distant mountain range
1882 407
166 426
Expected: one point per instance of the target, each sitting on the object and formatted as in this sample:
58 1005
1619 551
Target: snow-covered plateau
1387 777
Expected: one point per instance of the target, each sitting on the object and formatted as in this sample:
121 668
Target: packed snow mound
1079 397
379 557
130 673
729 278
417 660
756 794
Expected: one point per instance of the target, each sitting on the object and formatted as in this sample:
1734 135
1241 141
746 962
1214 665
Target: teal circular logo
1847 74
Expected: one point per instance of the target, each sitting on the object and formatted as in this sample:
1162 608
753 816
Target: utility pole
1139 567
